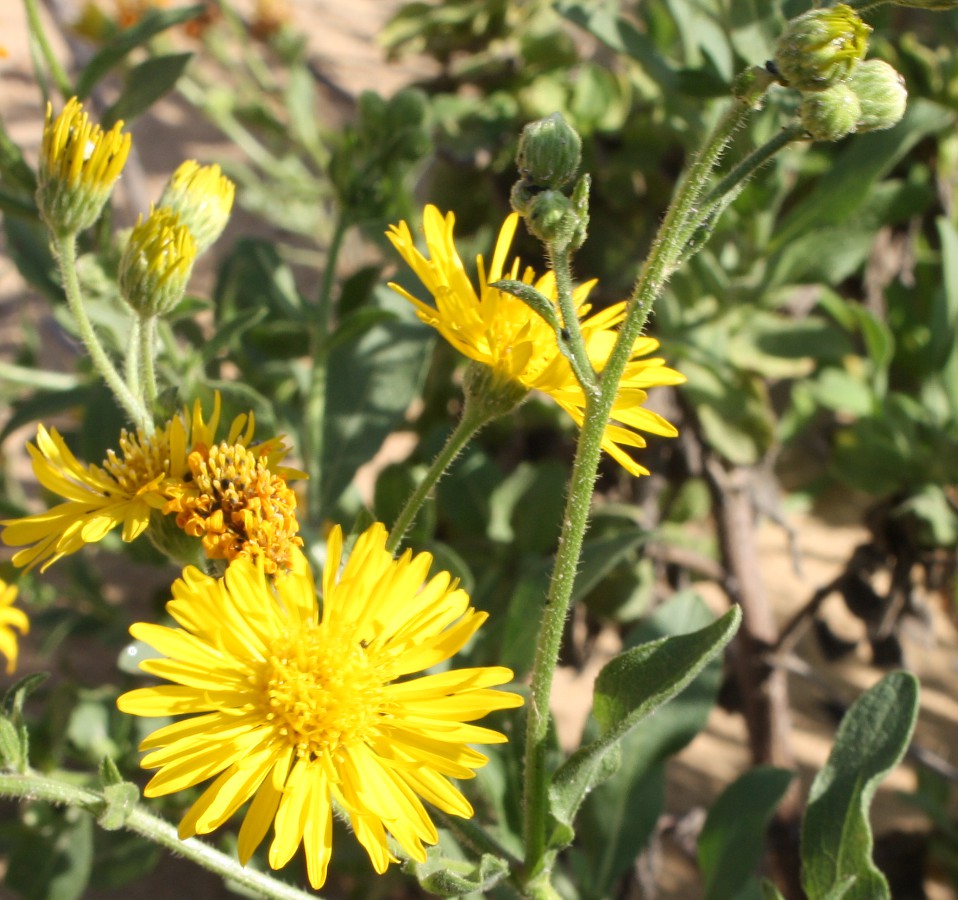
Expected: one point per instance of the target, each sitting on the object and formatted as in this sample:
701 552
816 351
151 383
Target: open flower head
10 619
79 164
503 333
144 476
296 709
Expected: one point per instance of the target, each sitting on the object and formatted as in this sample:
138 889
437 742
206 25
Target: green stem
37 32
31 786
572 333
473 418
131 365
64 246
315 413
666 250
148 359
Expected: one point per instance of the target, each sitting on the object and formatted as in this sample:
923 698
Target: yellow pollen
321 692
237 506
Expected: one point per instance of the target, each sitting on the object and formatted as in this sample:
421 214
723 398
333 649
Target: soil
342 45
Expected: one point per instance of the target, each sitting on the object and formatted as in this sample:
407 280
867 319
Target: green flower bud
202 196
831 114
549 152
881 94
552 218
522 194
821 48
157 263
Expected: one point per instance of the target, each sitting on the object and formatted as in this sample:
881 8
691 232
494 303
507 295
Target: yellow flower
297 709
10 618
202 196
124 490
79 164
503 333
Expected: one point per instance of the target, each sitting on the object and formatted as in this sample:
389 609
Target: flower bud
549 152
156 263
821 48
79 164
552 218
202 196
881 94
831 114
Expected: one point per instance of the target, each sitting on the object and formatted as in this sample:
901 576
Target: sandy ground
342 43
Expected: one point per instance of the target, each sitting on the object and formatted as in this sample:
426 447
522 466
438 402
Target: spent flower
11 619
296 705
501 332
79 164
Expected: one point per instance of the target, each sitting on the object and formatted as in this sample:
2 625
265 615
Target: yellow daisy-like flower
503 333
124 490
297 709
10 618
79 164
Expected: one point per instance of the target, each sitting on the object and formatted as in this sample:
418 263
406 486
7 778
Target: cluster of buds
548 158
79 166
822 55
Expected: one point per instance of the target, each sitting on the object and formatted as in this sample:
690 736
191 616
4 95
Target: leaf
447 877
152 23
630 688
602 554
836 834
371 383
618 816
145 84
732 840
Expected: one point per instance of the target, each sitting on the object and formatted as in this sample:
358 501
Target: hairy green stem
37 32
64 246
315 412
148 359
572 333
472 420
32 786
666 251
132 364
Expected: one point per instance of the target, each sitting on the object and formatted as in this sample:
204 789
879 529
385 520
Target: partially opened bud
157 263
881 94
79 164
831 114
821 48
202 196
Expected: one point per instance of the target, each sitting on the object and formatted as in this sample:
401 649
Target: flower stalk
32 786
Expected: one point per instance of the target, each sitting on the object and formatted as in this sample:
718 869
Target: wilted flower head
503 333
295 705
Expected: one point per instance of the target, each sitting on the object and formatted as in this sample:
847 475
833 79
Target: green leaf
732 840
145 84
770 892
836 834
371 383
447 877
152 23
630 688
602 554
618 816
